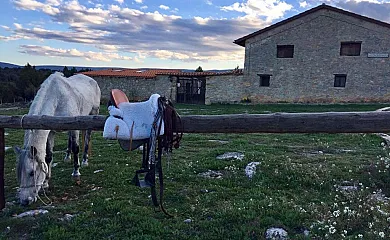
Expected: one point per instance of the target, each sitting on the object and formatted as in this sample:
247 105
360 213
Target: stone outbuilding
325 54
177 85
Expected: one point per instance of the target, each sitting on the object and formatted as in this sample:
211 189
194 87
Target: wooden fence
327 122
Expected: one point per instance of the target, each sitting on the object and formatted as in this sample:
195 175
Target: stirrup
148 180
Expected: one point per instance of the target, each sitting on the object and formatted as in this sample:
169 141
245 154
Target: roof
141 73
241 41
152 73
202 74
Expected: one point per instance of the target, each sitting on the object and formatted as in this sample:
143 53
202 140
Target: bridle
35 185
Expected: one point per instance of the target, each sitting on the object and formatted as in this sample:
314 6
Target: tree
199 69
73 71
66 72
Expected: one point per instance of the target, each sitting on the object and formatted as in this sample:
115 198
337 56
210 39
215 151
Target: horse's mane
46 94
19 168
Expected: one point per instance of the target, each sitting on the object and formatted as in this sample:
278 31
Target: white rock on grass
230 155
250 169
211 174
276 234
219 141
32 213
67 217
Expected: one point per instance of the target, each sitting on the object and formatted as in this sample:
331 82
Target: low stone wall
226 89
136 89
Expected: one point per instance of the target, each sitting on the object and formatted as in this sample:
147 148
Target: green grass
295 187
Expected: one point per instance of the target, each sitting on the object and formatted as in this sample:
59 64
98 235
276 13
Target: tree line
21 84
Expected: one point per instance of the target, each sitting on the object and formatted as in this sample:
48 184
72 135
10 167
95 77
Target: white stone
229 155
276 234
250 169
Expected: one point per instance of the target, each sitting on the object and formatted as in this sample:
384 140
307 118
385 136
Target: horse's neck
38 139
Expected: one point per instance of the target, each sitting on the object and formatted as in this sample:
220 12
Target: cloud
138 1
164 7
47 8
144 7
71 53
373 9
303 4
208 2
117 29
377 9
271 9
119 1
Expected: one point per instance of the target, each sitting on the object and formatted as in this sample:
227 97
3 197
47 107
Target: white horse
57 96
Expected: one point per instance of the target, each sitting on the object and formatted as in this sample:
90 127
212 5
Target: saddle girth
152 163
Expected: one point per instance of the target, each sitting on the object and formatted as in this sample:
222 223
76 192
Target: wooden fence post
2 160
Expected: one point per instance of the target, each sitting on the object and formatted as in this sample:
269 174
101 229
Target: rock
347 187
188 220
276 234
97 171
32 213
379 197
67 217
250 169
218 141
211 174
230 155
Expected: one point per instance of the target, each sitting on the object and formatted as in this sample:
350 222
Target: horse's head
31 173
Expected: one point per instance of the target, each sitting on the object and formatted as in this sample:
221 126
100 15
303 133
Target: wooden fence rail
327 122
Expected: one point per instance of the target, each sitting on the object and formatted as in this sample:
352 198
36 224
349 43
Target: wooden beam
327 122
2 160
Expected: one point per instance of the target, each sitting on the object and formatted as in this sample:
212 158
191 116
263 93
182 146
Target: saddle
153 124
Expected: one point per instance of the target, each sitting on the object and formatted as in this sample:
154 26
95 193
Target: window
264 80
340 80
350 48
285 51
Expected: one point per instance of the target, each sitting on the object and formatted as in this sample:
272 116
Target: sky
146 33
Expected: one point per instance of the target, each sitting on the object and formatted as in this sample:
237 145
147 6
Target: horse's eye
32 174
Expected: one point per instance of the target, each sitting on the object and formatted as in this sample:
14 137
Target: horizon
147 34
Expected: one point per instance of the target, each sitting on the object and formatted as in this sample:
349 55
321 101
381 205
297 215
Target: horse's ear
33 151
17 150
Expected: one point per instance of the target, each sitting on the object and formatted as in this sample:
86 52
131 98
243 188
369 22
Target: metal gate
191 90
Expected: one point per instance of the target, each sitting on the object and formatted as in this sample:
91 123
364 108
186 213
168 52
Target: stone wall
226 89
137 89
309 75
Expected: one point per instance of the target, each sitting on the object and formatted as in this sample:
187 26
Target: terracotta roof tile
195 74
152 73
149 73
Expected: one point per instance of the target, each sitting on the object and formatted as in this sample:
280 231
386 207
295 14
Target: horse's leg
68 155
87 138
75 149
49 157
86 147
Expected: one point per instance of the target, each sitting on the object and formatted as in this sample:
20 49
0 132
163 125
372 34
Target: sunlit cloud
164 7
71 53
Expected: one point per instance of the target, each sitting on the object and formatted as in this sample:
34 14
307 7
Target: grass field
332 185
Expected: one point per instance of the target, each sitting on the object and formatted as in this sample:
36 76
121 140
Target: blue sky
146 33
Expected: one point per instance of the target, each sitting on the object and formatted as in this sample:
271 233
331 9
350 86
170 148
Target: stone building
324 54
179 86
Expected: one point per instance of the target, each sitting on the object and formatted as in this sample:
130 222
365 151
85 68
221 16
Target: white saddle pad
139 116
